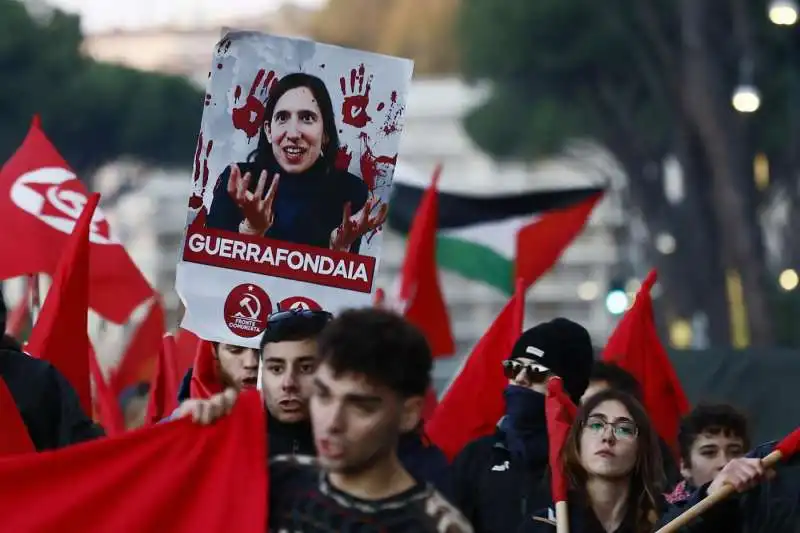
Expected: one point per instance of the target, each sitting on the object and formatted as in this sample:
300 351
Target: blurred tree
422 30
647 80
93 112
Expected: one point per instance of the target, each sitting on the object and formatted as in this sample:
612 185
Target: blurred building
150 212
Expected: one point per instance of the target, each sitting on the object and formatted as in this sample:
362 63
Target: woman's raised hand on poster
354 226
256 206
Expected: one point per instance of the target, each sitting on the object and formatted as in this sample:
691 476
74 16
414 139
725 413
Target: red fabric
14 437
61 332
178 477
108 409
164 389
474 401
539 245
634 345
206 380
138 363
20 314
29 245
790 445
186 344
560 412
419 278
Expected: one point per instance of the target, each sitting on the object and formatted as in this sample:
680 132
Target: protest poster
291 181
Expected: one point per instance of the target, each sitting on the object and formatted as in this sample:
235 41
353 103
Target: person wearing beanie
501 478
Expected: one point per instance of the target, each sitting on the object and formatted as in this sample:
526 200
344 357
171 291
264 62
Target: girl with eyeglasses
613 464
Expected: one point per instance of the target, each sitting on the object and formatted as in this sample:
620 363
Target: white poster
291 181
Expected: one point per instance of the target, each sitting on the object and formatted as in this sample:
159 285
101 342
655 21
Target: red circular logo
299 302
246 310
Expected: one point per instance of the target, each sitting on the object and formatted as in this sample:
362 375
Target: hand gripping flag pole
783 451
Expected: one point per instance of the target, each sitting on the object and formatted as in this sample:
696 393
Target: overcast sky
102 15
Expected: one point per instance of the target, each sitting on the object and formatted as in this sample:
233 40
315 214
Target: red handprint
200 177
249 116
370 163
354 106
393 115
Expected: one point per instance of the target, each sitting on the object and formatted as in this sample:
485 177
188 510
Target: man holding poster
291 182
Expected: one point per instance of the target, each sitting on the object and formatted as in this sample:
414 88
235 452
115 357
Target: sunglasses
533 371
281 317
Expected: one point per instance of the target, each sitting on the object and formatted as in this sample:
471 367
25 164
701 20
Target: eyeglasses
276 319
533 371
620 429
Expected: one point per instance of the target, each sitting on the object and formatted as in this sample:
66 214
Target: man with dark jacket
500 479
47 403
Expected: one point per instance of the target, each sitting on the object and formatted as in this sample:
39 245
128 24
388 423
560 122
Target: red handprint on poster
200 176
248 116
356 100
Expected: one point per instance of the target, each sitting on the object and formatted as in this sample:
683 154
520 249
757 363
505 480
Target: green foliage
607 69
93 112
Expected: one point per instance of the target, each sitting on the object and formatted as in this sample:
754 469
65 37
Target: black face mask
525 424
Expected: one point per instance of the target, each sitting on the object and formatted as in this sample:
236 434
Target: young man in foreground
374 369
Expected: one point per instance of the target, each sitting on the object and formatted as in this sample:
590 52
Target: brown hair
647 477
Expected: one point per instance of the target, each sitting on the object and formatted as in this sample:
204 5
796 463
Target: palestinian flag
496 239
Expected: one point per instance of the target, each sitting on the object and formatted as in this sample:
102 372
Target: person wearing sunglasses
500 479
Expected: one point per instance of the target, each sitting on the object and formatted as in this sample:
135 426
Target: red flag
178 477
41 199
14 437
419 278
206 380
790 445
474 401
634 345
186 344
539 245
137 364
60 334
109 411
164 388
560 412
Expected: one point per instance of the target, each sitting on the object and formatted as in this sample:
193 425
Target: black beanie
564 347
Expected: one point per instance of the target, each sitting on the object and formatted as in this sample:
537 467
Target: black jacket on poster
48 404
494 489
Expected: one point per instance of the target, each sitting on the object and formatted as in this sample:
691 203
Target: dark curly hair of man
714 419
380 345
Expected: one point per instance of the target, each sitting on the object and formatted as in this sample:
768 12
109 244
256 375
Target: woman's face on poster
296 130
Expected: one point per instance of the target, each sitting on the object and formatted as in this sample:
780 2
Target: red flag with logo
178 477
41 200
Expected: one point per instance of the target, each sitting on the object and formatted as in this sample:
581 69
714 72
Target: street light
746 99
783 12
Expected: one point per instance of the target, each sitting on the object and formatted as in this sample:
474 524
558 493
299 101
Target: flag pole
35 296
562 517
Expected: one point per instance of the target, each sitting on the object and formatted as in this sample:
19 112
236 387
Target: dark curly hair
714 419
381 345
